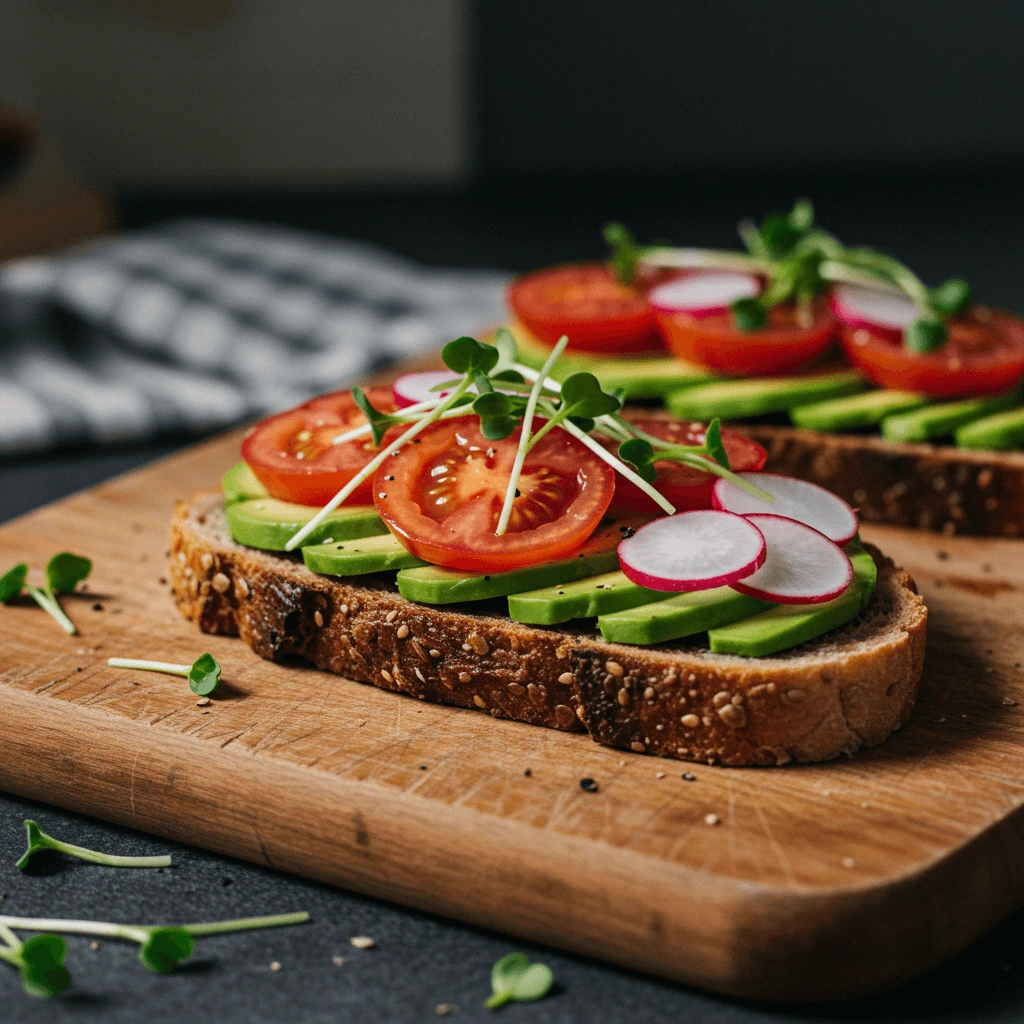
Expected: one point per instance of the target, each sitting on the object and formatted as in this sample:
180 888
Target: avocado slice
997 433
269 524
785 625
240 483
678 616
641 377
862 410
943 419
742 399
358 557
595 595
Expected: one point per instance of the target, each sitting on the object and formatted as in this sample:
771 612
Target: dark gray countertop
422 961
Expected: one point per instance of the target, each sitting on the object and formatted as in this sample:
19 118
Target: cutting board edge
773 938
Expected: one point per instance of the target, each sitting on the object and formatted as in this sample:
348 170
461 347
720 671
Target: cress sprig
64 572
799 261
39 840
506 395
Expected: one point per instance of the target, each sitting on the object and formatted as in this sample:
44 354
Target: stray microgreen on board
515 979
64 572
39 840
203 674
40 960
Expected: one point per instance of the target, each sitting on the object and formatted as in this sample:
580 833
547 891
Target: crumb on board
362 942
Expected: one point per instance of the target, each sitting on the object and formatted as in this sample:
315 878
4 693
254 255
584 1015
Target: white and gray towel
198 324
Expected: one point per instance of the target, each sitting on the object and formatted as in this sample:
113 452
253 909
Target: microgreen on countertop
203 674
64 572
39 840
161 948
514 978
798 261
40 962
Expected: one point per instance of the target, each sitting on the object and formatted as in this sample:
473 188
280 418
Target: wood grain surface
819 881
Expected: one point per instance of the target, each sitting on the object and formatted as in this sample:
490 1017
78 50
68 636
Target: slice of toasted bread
848 689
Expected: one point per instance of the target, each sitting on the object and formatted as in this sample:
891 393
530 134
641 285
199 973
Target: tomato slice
715 342
442 494
686 488
293 453
590 304
983 355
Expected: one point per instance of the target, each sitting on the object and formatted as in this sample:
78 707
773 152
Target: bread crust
849 689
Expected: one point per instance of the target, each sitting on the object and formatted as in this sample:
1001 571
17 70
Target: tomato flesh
294 456
715 342
983 355
587 302
441 496
685 487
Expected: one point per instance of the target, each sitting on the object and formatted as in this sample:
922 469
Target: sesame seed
387 675
659 775
434 652
614 668
338 961
712 819
467 648
362 942
275 965
206 561
566 678
690 721
391 615
478 644
479 701
419 675
402 632
94 945
465 677
202 702
318 617
689 777
649 693
622 762
343 608
1009 702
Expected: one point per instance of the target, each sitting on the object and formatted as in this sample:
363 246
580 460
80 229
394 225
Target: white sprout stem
243 924
552 385
150 666
9 937
363 431
371 467
140 933
832 270
111 860
617 464
703 259
50 605
524 436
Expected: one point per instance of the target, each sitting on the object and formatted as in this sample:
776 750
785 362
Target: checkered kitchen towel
198 324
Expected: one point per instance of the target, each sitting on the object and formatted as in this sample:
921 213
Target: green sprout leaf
713 443
464 355
802 215
204 675
39 840
42 969
749 314
924 335
166 948
12 583
499 414
950 297
626 254
65 571
513 977
508 350
639 454
582 397
379 421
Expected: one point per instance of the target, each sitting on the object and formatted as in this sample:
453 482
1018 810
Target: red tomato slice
714 341
686 488
442 494
983 355
590 304
293 455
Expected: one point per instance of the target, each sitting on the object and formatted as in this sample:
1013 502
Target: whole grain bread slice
848 689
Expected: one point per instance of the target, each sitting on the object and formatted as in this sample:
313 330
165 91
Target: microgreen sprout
39 840
40 962
626 254
63 573
514 978
161 948
203 674
798 261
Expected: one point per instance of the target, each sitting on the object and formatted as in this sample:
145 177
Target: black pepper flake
163 581
627 532
97 607
528 772
423 767
226 882
487 578
589 785
389 478
689 777
942 556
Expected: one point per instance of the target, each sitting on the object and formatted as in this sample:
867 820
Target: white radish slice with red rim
858 306
413 388
795 499
692 551
703 294
802 567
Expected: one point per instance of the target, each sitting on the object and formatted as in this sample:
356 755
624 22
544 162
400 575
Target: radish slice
794 499
412 388
692 551
874 309
802 567
703 295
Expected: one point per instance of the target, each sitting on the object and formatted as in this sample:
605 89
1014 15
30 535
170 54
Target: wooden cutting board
819 881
